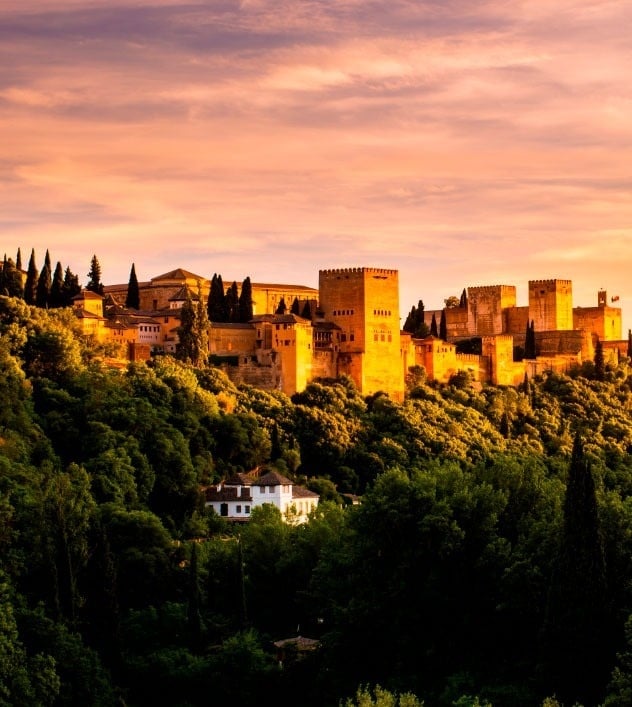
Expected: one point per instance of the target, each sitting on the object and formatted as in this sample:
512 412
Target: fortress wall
456 319
603 321
516 319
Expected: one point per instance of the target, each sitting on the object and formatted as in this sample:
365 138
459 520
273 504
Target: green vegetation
489 562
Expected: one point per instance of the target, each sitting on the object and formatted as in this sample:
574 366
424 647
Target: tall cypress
296 307
307 310
231 303
245 301
44 282
630 343
529 341
132 301
433 326
30 286
463 301
216 300
443 326
186 348
201 330
18 260
56 297
577 654
281 307
600 366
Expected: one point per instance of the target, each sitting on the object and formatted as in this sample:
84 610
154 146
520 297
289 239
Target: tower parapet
551 304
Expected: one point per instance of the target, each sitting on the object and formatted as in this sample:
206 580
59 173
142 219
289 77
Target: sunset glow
460 143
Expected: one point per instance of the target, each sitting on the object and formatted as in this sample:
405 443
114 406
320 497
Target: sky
461 143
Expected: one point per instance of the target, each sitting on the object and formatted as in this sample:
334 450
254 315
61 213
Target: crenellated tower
551 304
364 303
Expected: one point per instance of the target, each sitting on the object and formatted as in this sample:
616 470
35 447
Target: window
247 510
238 509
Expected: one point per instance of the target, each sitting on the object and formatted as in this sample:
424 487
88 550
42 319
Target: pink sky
461 143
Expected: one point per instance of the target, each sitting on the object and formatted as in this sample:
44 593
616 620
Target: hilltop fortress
354 330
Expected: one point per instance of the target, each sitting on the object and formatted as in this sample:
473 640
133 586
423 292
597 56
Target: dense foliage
490 556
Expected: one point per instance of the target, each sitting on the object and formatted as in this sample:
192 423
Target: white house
235 498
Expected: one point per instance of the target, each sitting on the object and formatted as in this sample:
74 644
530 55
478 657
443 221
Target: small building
235 498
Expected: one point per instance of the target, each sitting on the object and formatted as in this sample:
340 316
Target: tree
231 303
12 284
463 301
296 307
186 348
307 310
42 294
577 650
56 297
529 341
202 325
94 283
600 366
245 301
282 307
30 286
443 326
452 302
18 259
216 300
433 326
71 287
630 343
132 301
194 619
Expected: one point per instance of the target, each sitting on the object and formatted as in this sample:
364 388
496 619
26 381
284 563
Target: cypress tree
463 301
433 326
132 301
443 326
44 283
18 260
529 341
245 301
186 348
216 300
307 310
410 325
231 303
600 366
94 283
296 307
56 298
578 622
282 307
630 343
201 330
30 286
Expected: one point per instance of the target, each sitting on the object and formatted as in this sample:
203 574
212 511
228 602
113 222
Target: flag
615 298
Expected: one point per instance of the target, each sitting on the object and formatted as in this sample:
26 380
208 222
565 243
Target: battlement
337 272
550 282
491 289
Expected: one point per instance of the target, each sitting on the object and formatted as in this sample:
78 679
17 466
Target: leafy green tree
30 285
132 300
452 302
56 297
245 301
94 277
379 697
44 282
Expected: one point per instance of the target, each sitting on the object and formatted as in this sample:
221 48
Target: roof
83 314
182 294
226 493
179 274
273 286
280 319
272 478
87 294
301 642
239 478
302 492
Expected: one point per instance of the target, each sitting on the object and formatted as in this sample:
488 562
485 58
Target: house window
286 488
238 509
223 509
247 510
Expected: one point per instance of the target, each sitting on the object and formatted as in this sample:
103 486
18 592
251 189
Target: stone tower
551 304
487 306
364 303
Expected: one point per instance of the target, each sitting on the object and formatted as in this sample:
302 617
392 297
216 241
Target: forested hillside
490 560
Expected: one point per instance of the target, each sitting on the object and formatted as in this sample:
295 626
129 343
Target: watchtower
551 304
364 303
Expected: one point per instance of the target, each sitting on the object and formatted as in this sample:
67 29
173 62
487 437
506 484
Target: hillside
491 554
